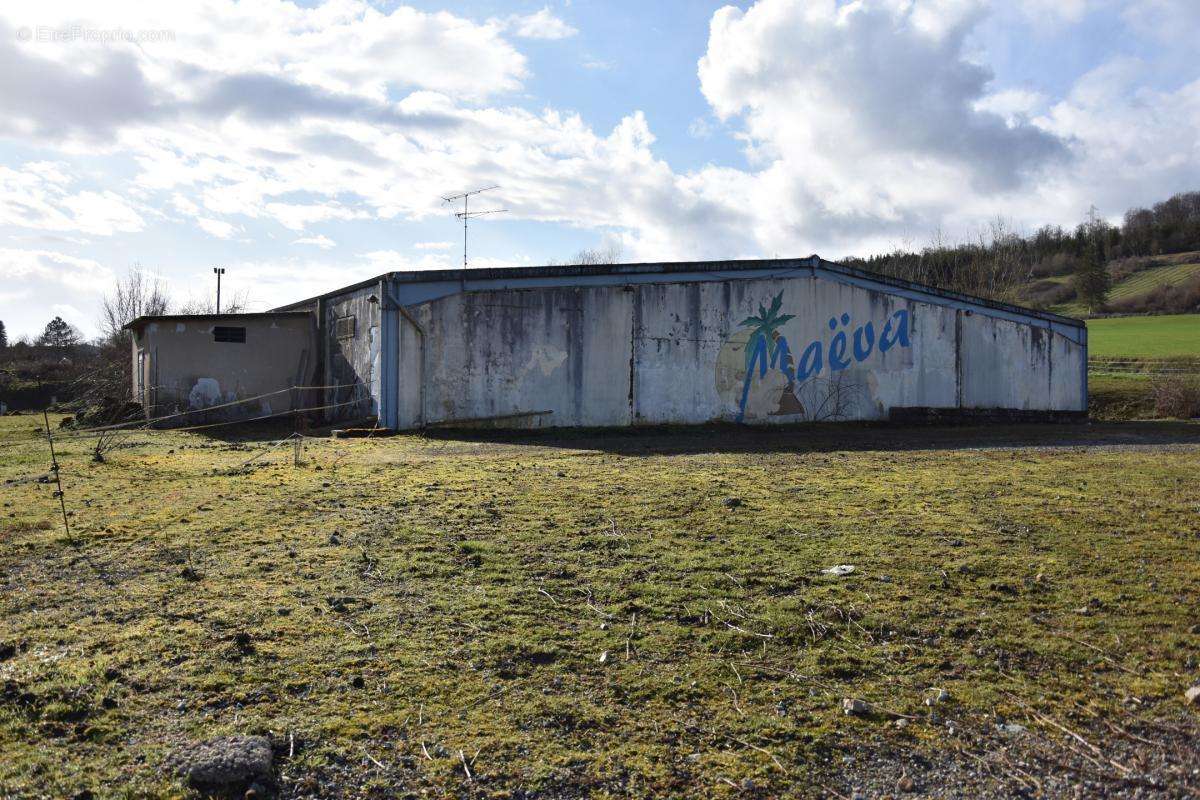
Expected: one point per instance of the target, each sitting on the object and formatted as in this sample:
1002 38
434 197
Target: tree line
1000 261
58 333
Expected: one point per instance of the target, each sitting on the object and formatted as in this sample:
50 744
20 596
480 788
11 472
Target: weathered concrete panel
678 333
352 362
535 358
765 351
1068 374
1004 364
410 375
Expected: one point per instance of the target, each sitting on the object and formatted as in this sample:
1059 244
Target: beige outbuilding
227 366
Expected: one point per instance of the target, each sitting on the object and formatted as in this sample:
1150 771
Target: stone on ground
223 763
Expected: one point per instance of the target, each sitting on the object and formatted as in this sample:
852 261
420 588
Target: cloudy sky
307 145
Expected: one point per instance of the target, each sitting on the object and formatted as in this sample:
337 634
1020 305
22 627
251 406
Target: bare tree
234 304
138 294
995 265
610 253
1004 267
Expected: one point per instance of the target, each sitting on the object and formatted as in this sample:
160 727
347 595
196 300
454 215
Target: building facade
758 342
229 366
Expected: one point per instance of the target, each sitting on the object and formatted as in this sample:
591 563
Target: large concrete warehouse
759 342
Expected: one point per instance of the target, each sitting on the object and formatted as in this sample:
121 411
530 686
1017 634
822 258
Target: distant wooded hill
1142 285
1152 259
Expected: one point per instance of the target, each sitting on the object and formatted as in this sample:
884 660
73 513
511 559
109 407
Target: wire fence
1149 367
157 422
296 439
141 424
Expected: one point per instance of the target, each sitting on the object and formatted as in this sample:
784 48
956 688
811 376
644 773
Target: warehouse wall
351 360
759 351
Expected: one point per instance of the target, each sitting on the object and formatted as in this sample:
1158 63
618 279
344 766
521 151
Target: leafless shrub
1046 293
105 441
829 399
1056 264
1176 396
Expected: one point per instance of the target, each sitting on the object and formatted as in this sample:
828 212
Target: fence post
62 503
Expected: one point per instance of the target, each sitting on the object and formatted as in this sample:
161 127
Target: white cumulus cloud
542 24
39 195
216 227
865 118
321 241
1056 11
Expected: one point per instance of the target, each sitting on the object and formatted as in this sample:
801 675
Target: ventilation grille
226 334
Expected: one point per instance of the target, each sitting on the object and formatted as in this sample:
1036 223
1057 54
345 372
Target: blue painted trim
410 294
1084 369
389 359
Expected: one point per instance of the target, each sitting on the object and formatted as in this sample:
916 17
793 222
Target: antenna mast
467 214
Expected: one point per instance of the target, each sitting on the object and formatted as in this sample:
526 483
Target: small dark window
345 327
225 334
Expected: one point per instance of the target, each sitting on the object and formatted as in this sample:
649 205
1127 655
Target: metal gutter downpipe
389 334
421 333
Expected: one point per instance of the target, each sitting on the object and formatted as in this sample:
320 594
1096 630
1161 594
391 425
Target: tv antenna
467 214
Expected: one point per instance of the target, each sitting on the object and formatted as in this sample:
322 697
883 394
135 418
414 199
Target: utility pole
220 271
467 214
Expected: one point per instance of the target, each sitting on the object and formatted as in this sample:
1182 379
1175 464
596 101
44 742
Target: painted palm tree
766 347
765 333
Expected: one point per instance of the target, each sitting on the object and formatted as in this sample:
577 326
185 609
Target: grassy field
1142 282
1178 268
1142 344
1145 337
1120 397
622 615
